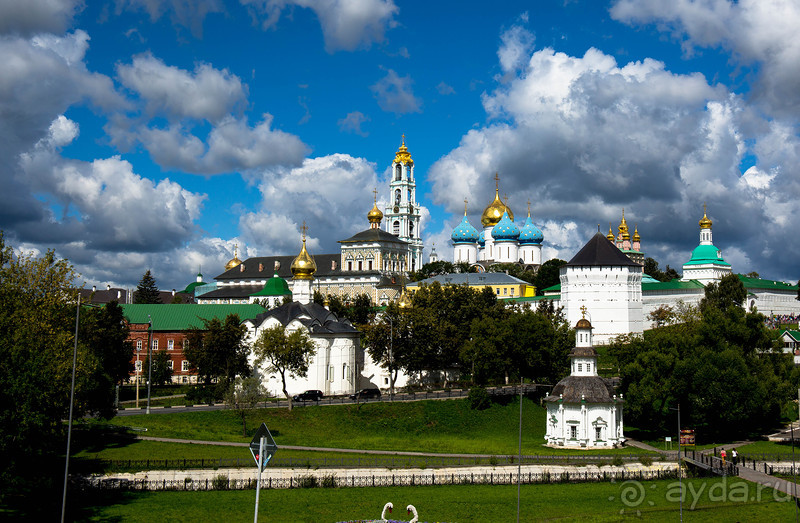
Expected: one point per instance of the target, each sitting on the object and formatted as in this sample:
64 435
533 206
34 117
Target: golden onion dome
583 323
375 215
636 236
402 155
303 267
705 222
405 301
623 227
610 234
235 261
494 211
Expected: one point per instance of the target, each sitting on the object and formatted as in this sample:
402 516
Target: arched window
396 228
398 170
397 197
411 230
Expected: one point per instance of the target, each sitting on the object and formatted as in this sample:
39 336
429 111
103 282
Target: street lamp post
149 359
391 359
138 371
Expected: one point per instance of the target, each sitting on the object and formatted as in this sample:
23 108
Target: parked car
309 395
365 394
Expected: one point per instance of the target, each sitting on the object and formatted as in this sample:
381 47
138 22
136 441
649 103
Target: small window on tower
398 170
396 228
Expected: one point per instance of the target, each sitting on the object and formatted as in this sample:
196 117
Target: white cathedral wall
333 369
505 252
611 295
465 253
595 414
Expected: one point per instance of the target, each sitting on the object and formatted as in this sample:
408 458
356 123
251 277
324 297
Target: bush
646 461
493 461
307 482
329 481
220 482
617 461
479 399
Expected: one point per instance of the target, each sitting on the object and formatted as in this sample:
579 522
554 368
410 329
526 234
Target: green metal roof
556 287
180 317
190 288
275 286
758 283
672 285
794 334
704 254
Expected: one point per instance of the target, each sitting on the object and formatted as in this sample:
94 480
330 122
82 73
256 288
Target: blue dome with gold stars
530 234
464 232
505 230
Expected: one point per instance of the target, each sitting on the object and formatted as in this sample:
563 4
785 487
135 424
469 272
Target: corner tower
403 214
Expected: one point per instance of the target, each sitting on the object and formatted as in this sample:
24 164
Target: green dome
704 254
275 286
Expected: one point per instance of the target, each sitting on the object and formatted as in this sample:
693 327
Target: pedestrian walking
735 456
722 455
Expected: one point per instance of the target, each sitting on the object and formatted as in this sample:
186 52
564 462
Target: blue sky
159 134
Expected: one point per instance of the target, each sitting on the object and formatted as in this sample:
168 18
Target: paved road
344 400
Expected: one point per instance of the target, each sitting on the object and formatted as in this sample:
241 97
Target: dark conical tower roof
601 252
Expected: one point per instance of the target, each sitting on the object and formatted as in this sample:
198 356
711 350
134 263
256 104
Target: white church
583 412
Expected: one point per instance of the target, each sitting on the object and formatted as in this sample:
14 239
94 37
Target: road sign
269 449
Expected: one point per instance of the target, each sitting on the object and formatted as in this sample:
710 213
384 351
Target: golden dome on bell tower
402 155
610 234
235 261
303 267
494 211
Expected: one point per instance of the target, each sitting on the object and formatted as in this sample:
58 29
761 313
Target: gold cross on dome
304 229
375 193
583 311
465 206
497 180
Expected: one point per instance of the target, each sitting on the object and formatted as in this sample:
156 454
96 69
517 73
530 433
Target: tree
147 290
662 315
432 269
516 270
218 351
388 341
728 292
161 372
723 366
243 396
548 275
652 270
105 331
37 339
284 353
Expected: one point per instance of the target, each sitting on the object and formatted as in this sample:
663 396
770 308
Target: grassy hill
429 426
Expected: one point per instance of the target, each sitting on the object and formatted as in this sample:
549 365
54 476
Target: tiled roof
316 318
600 252
593 389
186 316
373 235
483 278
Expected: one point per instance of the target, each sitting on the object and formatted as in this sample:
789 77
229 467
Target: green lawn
769 447
717 500
431 426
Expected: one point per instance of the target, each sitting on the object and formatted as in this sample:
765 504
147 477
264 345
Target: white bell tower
403 214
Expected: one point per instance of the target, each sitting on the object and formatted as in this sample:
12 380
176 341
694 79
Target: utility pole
149 359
